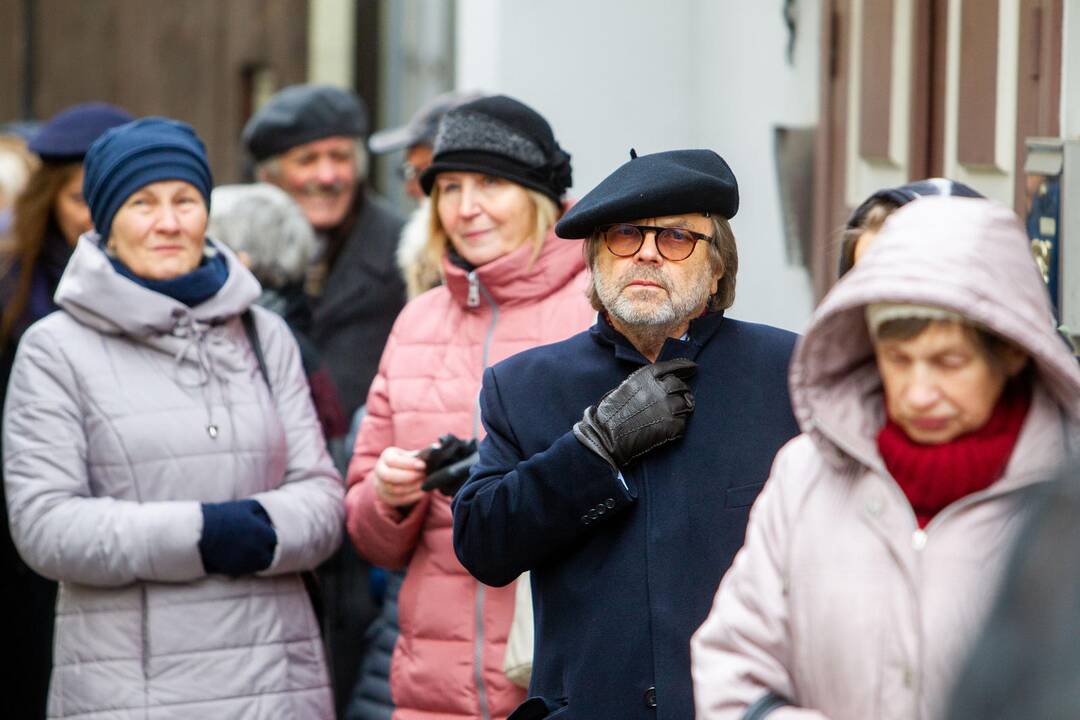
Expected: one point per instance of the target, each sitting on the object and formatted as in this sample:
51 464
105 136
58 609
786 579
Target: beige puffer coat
838 602
107 457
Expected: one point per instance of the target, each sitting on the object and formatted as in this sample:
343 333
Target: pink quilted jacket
449 657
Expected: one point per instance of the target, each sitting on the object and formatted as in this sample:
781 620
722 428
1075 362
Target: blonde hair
544 213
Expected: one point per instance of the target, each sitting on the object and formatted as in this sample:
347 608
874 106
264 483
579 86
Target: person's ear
1014 360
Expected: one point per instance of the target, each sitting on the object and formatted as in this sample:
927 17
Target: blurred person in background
1026 661
16 165
163 461
417 139
865 223
309 140
47 218
270 235
497 183
935 399
371 694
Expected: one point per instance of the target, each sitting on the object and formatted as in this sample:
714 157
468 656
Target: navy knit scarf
199 285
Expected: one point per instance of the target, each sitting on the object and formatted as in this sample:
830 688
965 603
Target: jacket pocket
742 495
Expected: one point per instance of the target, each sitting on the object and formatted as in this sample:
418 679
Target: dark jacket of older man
622 575
361 296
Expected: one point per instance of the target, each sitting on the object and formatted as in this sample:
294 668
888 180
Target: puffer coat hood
965 255
126 411
94 294
839 605
449 655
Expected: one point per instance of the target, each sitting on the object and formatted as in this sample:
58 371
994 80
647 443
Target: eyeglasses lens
622 240
675 244
625 240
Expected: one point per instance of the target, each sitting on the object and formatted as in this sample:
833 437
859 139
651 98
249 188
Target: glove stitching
647 370
651 447
641 427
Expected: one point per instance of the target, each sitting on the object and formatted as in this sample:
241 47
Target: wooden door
923 88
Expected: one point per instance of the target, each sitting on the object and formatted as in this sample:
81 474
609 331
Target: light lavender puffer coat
107 457
838 602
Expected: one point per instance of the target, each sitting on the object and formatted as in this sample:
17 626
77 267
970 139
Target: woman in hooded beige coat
840 604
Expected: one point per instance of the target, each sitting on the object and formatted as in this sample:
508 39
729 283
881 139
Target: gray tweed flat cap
301 114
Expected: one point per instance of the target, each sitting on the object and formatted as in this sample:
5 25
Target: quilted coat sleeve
307 510
381 533
741 655
59 528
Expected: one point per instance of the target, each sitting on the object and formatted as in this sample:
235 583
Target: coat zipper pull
473 299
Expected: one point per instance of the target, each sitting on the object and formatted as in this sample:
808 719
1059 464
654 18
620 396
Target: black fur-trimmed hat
503 137
674 182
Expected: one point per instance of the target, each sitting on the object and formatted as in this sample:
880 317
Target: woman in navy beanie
49 215
163 460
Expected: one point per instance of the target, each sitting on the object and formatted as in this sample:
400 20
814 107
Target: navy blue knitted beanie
131 156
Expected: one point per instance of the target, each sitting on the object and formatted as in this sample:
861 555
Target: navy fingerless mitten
237 538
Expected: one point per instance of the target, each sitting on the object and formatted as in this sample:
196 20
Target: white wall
614 74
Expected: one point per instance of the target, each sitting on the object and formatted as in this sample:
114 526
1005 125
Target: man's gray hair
264 222
723 258
269 169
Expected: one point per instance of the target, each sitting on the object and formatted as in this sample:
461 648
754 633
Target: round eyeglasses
673 243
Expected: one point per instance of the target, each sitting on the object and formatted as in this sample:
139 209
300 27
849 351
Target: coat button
585 519
650 698
610 503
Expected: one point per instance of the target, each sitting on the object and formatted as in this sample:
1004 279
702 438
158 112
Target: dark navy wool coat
621 576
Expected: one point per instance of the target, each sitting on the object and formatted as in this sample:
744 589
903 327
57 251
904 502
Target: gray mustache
317 189
645 273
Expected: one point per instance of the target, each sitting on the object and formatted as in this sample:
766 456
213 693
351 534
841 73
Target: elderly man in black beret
309 141
620 464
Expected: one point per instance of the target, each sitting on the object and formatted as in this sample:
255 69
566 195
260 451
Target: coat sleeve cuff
380 532
170 533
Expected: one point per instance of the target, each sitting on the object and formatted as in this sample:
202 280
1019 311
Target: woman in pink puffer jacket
935 398
496 182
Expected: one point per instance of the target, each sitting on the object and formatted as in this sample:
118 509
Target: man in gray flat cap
417 137
309 141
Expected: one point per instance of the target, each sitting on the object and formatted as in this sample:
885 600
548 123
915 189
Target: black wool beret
301 114
675 182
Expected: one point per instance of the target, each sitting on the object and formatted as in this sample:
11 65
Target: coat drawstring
199 339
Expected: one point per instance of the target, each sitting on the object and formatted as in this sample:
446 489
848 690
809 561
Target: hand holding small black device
448 462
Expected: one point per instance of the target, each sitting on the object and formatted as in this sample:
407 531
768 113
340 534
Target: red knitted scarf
933 476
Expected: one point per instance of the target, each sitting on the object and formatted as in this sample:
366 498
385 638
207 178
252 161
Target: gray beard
651 318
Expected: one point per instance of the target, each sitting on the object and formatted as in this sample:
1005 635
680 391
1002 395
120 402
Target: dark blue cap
132 156
68 135
902 195
675 182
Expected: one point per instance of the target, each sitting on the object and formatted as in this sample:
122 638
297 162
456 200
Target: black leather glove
649 408
237 538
